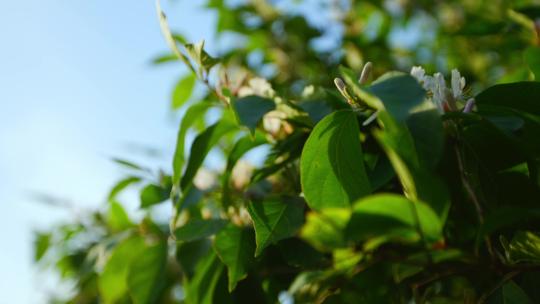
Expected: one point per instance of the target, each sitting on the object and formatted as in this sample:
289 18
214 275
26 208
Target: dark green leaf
399 94
510 293
193 113
250 110
183 90
235 246
200 289
241 147
189 254
275 219
332 169
196 229
385 217
201 146
521 96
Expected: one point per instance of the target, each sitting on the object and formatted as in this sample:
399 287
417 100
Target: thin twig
507 277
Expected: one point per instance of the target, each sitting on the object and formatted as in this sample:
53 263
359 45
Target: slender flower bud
366 73
469 106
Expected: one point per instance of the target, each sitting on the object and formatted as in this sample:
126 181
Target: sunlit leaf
121 185
332 167
183 90
153 194
388 217
146 275
112 282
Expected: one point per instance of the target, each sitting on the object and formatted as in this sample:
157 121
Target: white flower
442 96
272 121
205 179
458 83
439 91
419 73
257 86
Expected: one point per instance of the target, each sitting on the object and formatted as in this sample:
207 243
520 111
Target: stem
473 197
507 277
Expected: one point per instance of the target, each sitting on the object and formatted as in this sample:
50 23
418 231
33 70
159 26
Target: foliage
391 187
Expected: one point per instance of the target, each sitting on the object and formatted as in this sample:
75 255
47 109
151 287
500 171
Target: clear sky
76 87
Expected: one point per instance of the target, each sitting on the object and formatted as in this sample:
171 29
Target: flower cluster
445 99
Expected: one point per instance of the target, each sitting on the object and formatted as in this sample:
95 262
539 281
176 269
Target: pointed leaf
235 247
146 275
183 90
275 219
193 113
200 289
251 109
332 169
384 217
196 229
201 146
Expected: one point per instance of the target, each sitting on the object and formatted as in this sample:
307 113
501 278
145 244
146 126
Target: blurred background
78 87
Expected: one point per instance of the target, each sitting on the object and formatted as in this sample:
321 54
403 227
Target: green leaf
165 58
121 185
417 180
235 247
189 254
386 217
112 282
325 229
130 165
153 194
200 289
399 94
193 113
196 229
532 57
427 131
332 169
510 293
521 96
146 275
201 146
241 147
250 110
183 90
117 217
275 219
42 241
524 247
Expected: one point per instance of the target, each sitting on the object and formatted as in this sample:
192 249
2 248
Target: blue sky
76 87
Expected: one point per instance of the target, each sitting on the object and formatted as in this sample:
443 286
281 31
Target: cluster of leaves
415 206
